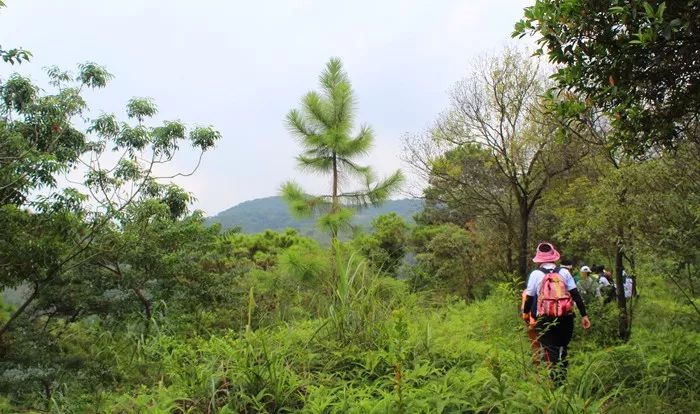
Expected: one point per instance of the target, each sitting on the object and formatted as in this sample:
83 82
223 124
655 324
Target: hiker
556 292
606 290
628 284
587 285
608 275
603 281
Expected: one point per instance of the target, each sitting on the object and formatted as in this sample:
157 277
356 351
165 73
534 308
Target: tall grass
380 349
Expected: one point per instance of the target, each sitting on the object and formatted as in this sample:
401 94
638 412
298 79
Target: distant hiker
608 275
587 286
556 293
603 282
584 271
628 284
606 290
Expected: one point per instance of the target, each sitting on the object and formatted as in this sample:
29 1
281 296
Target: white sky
241 66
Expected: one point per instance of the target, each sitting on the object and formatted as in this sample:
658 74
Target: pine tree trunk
334 231
334 200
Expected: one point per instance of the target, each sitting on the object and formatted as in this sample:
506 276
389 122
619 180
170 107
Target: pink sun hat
546 253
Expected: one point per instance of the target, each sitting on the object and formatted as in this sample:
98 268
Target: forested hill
272 213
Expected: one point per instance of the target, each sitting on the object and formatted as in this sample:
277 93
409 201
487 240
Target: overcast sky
242 65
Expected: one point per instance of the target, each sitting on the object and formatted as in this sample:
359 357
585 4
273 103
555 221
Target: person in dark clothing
555 332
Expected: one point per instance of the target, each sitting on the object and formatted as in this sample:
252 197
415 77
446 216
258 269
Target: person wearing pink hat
549 295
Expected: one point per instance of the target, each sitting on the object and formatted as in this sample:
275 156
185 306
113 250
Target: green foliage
494 152
306 262
336 221
117 299
635 60
652 202
453 195
324 128
453 358
386 246
445 261
116 245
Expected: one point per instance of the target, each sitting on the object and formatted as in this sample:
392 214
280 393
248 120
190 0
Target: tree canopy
637 60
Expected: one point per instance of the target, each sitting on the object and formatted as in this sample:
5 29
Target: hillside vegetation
117 297
272 213
386 350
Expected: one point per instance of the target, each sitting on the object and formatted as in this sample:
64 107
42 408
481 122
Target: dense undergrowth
382 349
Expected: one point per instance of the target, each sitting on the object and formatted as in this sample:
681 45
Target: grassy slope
452 358
397 353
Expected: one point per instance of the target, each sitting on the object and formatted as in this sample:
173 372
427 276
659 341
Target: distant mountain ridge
272 213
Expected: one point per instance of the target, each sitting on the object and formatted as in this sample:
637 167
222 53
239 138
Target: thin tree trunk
334 204
624 328
334 230
524 235
467 286
47 393
509 257
146 309
334 200
509 250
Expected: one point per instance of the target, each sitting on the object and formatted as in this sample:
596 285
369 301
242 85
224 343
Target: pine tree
324 127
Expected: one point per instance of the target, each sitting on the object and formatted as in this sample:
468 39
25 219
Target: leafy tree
40 144
463 183
151 258
52 237
324 128
636 60
385 247
445 260
260 250
609 219
665 206
466 188
499 109
602 221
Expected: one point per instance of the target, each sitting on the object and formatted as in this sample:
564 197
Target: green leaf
660 11
141 108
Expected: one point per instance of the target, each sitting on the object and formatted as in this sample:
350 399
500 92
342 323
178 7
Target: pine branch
315 164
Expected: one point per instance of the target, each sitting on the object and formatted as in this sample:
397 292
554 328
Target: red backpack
553 298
